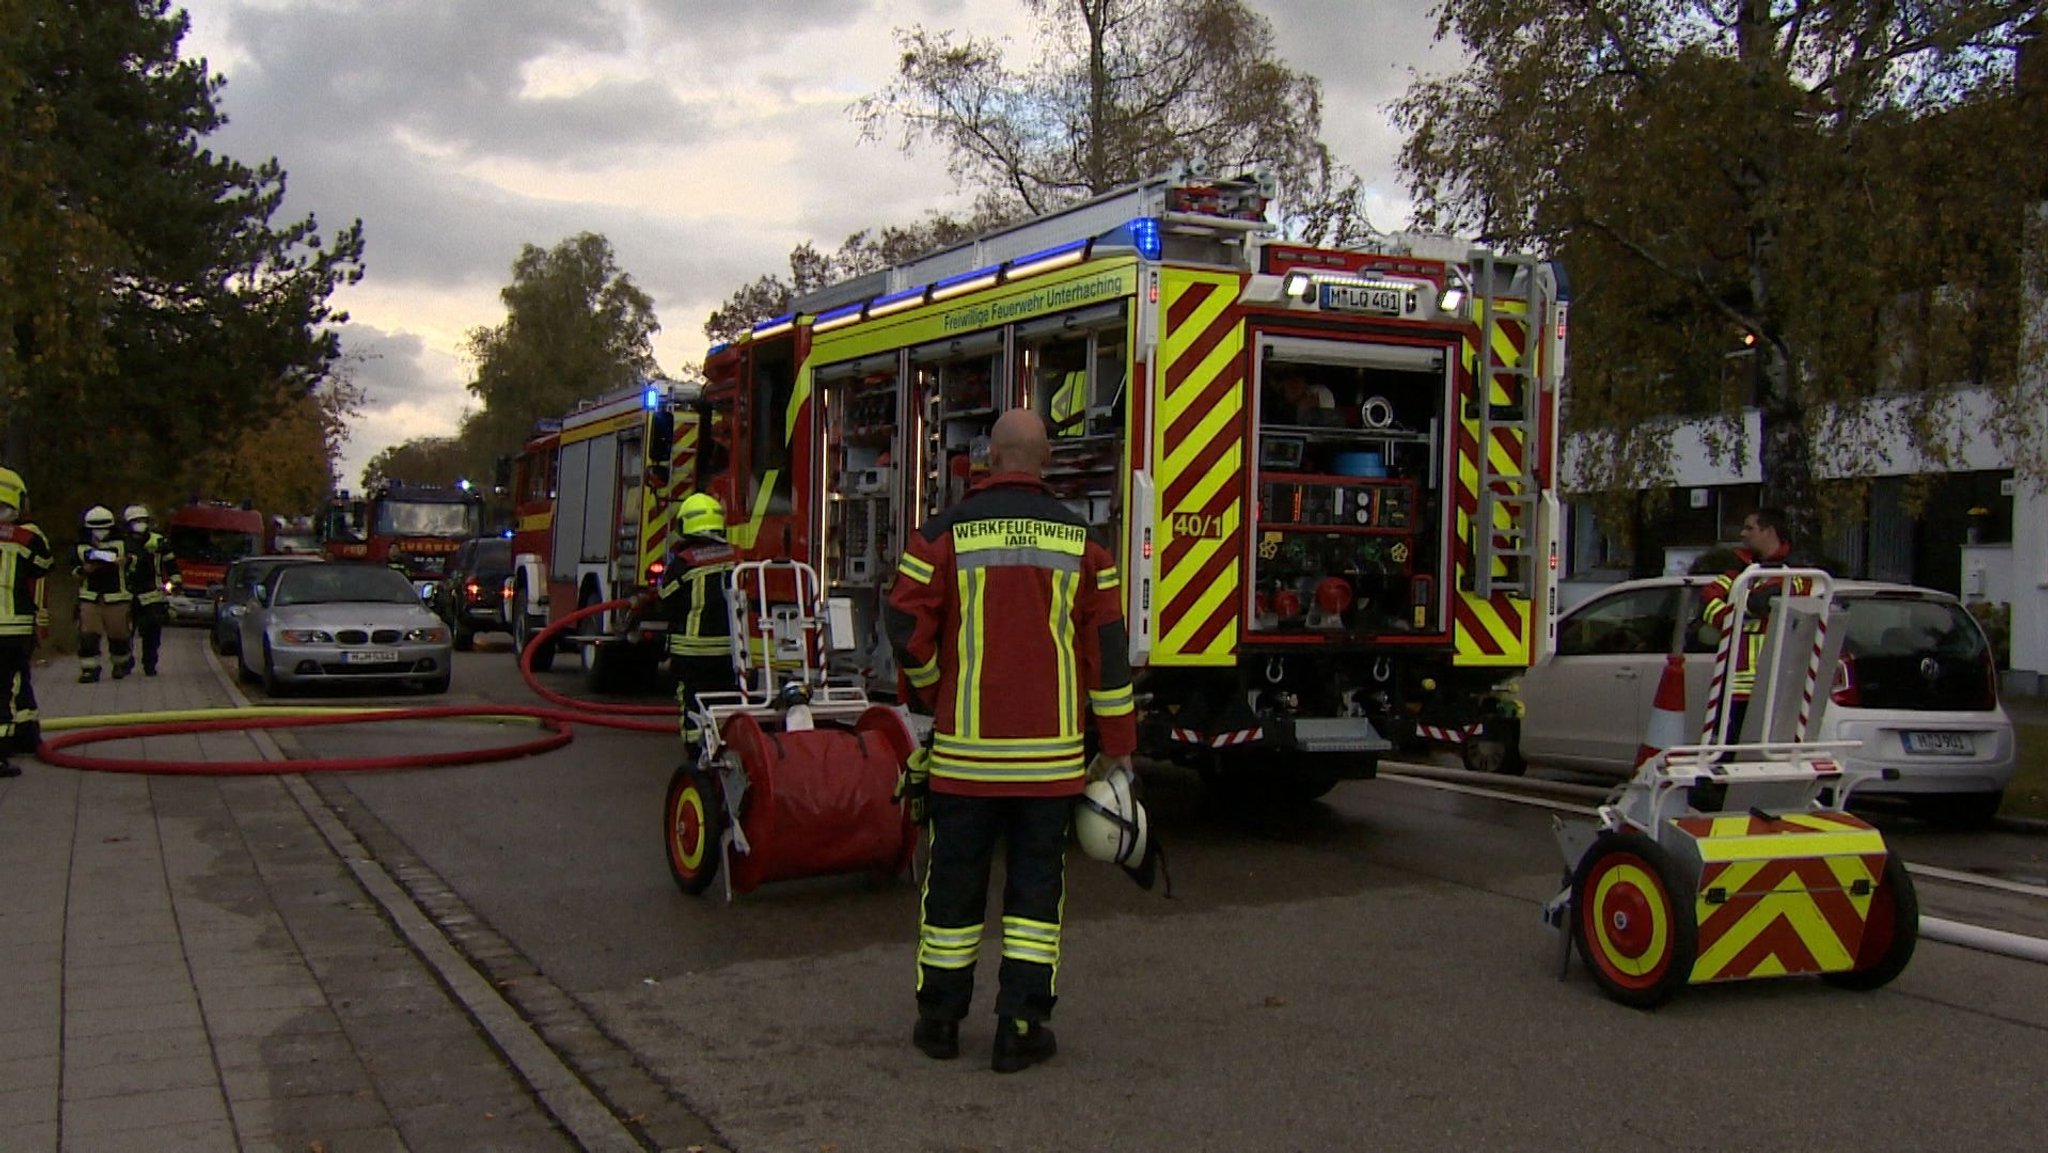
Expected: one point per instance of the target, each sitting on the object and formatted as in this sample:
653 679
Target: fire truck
414 528
1328 475
593 495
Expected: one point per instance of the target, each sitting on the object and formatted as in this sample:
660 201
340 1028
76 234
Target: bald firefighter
25 559
1007 621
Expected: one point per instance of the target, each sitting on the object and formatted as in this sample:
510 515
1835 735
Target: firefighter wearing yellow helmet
25 560
103 597
692 595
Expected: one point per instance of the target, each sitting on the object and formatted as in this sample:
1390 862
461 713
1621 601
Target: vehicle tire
523 633
243 672
272 686
1891 931
693 822
1494 748
1961 810
463 638
438 685
213 641
1632 917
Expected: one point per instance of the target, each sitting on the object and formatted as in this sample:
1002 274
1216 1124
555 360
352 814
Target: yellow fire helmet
700 514
13 491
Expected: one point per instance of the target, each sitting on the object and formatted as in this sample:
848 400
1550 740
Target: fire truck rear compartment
1348 532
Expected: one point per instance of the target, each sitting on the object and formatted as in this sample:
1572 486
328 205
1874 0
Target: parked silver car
1916 686
330 623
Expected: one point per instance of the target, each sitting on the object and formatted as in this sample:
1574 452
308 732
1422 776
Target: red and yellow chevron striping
1200 473
1486 630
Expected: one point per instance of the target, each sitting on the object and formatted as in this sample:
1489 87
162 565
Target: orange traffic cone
1667 713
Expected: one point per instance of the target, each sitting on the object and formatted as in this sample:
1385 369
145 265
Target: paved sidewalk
188 963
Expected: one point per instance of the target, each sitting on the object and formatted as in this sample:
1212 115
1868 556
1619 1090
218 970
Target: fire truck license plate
1358 298
369 656
1941 744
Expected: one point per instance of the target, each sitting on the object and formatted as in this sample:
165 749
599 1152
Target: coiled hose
556 723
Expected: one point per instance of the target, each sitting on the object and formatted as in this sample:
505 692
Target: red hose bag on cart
821 801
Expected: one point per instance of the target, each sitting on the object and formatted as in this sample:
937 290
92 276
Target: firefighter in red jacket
1007 621
1767 541
25 560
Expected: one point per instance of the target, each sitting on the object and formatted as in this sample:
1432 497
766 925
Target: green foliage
153 308
576 327
1797 205
421 460
1996 620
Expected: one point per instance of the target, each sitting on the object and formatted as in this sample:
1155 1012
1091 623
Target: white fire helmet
1110 823
134 513
99 521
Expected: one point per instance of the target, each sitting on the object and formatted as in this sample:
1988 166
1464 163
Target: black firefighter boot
8 769
1020 1045
937 1039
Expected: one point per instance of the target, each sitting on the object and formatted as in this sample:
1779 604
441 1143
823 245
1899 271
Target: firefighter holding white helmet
691 592
1007 621
153 566
103 597
25 560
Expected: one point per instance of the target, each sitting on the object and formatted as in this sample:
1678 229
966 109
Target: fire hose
556 722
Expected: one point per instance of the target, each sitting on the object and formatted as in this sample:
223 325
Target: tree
154 305
1120 90
421 460
1800 204
576 327
863 252
286 466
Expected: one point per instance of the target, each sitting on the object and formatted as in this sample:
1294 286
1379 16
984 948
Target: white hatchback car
1916 686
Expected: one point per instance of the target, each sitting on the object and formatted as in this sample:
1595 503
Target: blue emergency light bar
651 399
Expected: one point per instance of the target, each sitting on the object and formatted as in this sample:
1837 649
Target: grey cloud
391 369
734 30
449 72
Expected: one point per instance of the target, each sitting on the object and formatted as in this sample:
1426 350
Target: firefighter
692 599
152 565
1767 541
25 560
1007 620
103 597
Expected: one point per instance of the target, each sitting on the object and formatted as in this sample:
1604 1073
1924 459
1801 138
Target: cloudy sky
704 138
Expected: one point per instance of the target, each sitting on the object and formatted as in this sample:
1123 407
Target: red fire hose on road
557 723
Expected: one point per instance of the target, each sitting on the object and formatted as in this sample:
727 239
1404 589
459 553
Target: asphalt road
1367 972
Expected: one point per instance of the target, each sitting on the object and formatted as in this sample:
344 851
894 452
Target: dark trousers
699 675
20 731
149 626
964 832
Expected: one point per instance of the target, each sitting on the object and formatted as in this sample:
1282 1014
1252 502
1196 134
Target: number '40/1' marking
1199 525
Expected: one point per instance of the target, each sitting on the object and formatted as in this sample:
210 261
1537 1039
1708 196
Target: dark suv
471 594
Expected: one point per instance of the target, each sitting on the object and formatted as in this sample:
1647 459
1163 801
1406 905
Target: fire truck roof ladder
1504 540
1228 200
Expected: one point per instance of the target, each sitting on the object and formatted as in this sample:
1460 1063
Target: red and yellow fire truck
593 494
1329 475
414 528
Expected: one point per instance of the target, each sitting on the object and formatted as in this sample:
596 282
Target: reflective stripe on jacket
693 599
1008 620
103 582
1719 608
25 559
154 563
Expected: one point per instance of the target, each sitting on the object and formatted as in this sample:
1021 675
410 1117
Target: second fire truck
594 494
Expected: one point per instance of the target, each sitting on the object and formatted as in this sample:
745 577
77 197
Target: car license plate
1941 744
369 656
1359 298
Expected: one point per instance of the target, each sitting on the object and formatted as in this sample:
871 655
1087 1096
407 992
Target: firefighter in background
1007 621
25 560
1767 541
103 597
152 566
692 599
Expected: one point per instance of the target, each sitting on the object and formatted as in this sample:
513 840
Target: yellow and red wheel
1890 932
693 820
1632 913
